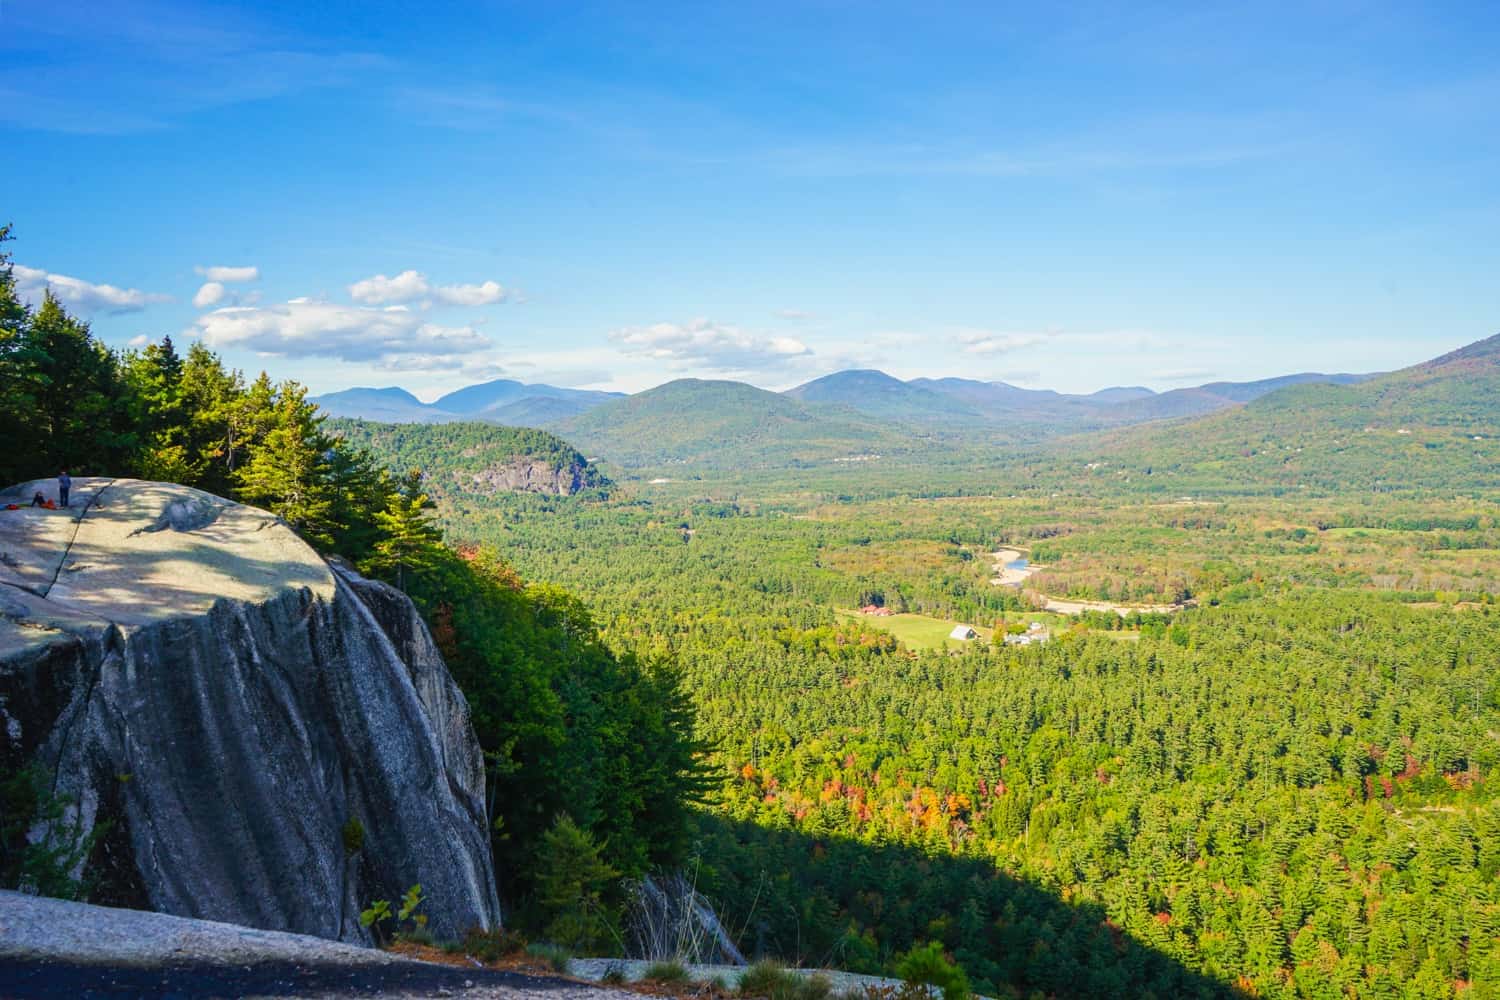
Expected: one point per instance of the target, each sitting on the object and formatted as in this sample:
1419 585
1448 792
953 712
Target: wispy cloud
989 342
473 109
228 273
1184 375
80 295
162 60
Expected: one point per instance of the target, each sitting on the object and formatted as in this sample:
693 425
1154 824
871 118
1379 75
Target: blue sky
613 195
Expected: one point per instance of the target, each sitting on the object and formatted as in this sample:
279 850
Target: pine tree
408 540
154 378
288 472
216 402
75 415
571 878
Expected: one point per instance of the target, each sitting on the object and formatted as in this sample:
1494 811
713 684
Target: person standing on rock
64 484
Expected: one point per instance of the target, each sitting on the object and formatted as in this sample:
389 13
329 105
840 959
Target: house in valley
964 632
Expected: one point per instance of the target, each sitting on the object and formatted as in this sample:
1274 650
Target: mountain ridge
501 401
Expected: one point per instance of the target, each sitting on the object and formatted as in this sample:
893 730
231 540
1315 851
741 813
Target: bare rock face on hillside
266 739
524 475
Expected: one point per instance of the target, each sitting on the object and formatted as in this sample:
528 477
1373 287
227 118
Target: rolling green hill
1433 426
720 424
878 395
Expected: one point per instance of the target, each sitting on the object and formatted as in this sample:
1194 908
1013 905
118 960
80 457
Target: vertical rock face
237 712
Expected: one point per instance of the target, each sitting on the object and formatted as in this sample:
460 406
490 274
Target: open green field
1051 619
920 631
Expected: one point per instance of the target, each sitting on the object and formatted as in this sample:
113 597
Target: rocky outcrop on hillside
265 739
526 475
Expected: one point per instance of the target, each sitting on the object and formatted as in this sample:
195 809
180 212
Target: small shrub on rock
926 964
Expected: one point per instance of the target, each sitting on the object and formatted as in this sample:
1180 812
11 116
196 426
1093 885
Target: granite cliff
525 475
266 738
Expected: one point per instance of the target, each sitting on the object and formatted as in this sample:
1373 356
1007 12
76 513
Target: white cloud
409 286
225 273
483 294
709 345
139 340
303 328
403 287
211 294
79 295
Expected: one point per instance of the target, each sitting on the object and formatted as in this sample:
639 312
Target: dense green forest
1284 790
570 728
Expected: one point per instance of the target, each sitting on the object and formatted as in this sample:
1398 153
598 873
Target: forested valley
1283 787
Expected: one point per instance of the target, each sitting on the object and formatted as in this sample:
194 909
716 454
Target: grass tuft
487 946
667 973
773 981
557 958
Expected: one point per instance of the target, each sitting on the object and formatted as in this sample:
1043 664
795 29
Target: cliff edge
263 737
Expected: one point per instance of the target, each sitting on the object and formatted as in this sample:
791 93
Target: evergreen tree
288 471
74 397
408 539
570 885
154 379
218 409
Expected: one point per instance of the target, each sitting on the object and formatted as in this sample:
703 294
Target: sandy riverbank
1005 576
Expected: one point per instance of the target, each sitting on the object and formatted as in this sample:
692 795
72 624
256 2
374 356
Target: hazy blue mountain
503 401
1121 394
476 400
388 405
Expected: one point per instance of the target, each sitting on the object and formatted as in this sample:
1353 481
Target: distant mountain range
1289 430
874 394
944 399
1434 424
503 401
